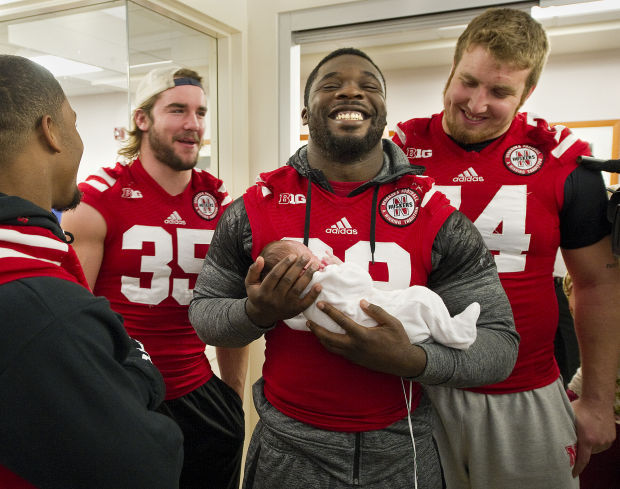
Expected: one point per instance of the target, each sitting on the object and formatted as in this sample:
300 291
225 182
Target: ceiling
97 35
405 45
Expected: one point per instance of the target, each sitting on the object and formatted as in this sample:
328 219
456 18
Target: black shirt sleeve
583 218
76 394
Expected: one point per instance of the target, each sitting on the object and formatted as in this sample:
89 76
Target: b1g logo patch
129 193
400 207
205 205
523 159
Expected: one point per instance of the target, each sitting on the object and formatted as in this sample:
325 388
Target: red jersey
153 251
513 191
336 394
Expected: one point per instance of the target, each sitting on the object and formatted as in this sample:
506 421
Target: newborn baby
420 310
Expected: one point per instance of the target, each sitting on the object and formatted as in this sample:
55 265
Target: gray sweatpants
285 453
523 440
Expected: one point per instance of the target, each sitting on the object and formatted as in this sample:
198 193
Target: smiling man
332 408
517 179
79 396
141 234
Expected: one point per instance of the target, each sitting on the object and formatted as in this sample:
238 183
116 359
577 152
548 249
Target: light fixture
153 63
551 8
64 67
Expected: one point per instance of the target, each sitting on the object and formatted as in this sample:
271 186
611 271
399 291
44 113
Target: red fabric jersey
513 191
10 480
302 379
28 251
154 248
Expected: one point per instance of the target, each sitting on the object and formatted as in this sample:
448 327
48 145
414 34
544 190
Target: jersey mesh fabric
154 248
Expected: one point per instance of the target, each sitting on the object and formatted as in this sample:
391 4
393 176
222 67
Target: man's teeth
349 116
473 117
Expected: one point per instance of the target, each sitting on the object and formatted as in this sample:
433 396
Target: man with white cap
141 233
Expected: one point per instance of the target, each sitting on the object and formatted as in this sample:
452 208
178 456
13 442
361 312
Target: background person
328 402
528 197
141 233
79 396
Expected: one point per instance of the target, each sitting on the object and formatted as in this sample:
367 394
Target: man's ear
49 130
304 116
529 93
525 96
142 120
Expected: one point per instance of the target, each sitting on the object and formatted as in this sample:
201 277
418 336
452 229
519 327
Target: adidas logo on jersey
174 218
468 175
341 227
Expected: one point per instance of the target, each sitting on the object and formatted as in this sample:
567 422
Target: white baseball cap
159 80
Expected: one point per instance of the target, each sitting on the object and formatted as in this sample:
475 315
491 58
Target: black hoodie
78 401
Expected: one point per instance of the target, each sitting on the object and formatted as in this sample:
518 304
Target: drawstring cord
69 237
408 405
307 221
373 218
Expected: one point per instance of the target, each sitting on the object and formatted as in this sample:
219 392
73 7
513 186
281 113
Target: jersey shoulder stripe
33 251
562 142
104 178
35 240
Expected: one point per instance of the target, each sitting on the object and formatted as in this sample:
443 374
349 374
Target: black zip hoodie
78 400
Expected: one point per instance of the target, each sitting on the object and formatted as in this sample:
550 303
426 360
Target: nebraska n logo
400 207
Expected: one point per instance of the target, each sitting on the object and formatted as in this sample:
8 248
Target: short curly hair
511 36
332 55
28 91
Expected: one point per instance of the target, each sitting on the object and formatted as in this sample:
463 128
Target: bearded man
141 233
330 404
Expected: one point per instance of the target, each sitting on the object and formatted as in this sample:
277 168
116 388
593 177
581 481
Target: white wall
579 87
96 119
263 91
231 13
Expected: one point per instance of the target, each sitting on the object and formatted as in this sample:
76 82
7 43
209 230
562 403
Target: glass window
157 41
99 54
